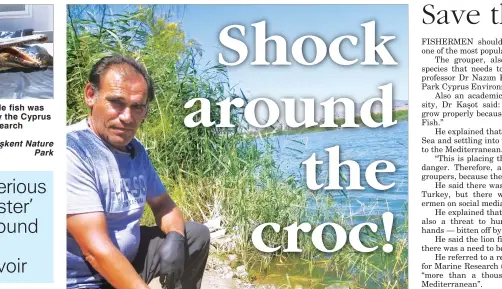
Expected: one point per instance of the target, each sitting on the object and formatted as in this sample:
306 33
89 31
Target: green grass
213 171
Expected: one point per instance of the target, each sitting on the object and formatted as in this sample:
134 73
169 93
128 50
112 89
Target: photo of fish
16 53
26 51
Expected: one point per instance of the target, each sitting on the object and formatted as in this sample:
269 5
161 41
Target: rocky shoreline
221 263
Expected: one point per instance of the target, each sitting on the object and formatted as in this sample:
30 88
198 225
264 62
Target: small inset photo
26 51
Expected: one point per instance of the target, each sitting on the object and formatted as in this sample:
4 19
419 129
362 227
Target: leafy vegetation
212 171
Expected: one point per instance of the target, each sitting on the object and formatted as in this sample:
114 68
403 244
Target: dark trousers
147 261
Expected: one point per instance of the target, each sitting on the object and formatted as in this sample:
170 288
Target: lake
363 145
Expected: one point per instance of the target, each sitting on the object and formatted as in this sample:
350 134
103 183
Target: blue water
363 145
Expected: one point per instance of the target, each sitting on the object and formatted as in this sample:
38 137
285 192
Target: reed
212 171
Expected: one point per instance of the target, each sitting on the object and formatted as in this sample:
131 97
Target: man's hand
172 254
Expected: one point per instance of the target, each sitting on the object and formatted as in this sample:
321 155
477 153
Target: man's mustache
124 127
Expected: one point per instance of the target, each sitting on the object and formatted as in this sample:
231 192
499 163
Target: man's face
120 105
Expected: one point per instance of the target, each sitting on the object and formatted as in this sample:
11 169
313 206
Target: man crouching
110 179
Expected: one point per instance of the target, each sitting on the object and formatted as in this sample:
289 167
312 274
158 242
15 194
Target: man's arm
172 251
90 232
167 215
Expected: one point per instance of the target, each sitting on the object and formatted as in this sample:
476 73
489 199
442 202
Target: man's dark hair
104 63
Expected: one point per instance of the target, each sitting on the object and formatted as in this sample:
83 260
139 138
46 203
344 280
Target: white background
485 29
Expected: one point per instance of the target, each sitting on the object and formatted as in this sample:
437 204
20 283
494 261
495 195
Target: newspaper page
455 85
290 144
